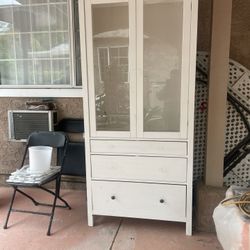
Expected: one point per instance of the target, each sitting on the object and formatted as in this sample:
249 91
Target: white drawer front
139 168
139 147
150 201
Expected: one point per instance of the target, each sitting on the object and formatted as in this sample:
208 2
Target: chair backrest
56 140
47 138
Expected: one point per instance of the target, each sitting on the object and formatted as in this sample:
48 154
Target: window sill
48 92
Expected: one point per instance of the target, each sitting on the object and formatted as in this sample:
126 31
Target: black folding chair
58 141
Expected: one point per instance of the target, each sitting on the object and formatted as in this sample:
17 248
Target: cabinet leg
90 220
189 228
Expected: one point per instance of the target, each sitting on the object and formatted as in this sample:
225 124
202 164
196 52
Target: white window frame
70 90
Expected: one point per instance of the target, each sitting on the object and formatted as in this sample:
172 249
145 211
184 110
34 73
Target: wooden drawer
139 168
139 200
139 147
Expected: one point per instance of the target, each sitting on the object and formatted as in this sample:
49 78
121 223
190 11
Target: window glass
35 43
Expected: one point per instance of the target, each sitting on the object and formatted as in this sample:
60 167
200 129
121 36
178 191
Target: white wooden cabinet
138 60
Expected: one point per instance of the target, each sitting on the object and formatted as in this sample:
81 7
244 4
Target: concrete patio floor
70 230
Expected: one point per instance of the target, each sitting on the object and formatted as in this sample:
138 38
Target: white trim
71 30
132 68
185 67
191 102
38 92
139 61
83 47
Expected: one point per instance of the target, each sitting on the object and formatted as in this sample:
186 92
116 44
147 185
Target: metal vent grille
25 123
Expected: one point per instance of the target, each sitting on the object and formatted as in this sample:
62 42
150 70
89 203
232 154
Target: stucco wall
240 32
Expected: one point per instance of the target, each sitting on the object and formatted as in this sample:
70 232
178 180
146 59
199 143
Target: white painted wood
191 102
81 8
134 168
139 80
140 168
139 147
132 67
38 92
139 200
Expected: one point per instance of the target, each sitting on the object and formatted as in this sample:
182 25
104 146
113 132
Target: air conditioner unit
23 122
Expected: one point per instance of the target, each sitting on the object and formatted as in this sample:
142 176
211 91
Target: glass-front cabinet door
163 67
110 27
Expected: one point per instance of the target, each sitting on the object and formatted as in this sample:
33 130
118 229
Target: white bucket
40 158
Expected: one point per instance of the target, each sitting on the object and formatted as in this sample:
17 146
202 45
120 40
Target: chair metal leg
10 208
54 205
29 197
59 197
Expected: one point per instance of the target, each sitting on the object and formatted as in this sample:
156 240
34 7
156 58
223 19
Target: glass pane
42 72
38 1
6 47
61 71
40 18
23 46
162 65
7 73
6 22
25 74
58 17
41 45
60 44
22 19
110 41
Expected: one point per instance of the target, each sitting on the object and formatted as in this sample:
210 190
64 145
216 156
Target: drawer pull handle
112 197
162 201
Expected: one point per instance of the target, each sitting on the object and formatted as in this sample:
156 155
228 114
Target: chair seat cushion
23 176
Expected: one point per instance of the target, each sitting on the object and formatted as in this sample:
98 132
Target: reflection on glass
40 18
21 19
7 73
38 1
42 72
58 17
60 44
61 71
110 41
6 47
25 72
6 24
162 65
23 46
41 45
35 43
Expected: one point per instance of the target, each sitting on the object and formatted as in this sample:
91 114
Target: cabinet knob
162 201
112 197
